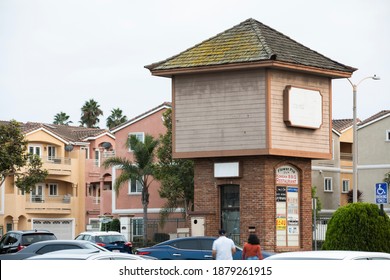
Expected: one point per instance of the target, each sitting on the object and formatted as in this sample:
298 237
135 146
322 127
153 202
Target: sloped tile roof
67 133
342 124
249 41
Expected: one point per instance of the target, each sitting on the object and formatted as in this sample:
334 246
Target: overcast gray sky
55 55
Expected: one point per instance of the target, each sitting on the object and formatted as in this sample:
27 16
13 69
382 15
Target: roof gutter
335 74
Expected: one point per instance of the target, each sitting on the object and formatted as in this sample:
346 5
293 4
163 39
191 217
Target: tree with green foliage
90 113
13 157
350 196
61 118
318 201
116 118
141 169
386 179
176 175
114 225
13 148
34 174
358 227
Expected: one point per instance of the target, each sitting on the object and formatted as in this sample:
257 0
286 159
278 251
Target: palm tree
141 169
61 118
116 118
90 113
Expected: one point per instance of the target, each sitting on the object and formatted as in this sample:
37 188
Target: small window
135 187
34 150
328 185
97 158
86 149
53 189
138 227
345 186
388 135
51 153
140 136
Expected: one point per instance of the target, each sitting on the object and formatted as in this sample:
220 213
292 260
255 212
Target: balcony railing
41 204
108 154
57 160
50 199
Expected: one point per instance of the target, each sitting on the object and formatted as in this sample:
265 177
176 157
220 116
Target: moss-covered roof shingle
249 41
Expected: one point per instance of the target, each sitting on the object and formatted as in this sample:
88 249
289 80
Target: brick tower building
252 108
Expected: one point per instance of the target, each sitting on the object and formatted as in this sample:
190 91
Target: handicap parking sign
381 191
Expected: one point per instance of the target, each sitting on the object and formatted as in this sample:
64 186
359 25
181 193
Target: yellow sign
281 223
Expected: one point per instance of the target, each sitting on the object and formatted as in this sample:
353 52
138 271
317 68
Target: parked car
111 240
330 255
86 254
44 247
187 248
15 240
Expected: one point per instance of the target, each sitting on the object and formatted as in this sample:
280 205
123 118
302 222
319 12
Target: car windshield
36 237
111 239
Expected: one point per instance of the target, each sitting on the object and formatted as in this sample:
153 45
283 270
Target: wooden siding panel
220 111
299 139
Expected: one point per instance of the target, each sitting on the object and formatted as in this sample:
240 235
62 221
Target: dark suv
15 240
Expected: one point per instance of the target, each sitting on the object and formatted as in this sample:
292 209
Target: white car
111 240
88 254
330 255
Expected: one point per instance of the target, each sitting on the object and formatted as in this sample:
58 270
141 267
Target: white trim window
37 193
97 157
140 136
53 189
51 152
345 186
138 226
86 151
387 135
35 150
328 184
135 187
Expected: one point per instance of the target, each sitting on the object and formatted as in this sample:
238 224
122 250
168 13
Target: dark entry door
230 211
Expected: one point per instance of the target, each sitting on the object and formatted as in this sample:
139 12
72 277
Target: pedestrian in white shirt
223 247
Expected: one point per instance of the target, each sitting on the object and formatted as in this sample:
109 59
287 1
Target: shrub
115 225
358 227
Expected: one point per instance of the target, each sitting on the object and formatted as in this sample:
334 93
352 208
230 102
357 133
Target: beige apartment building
333 177
58 204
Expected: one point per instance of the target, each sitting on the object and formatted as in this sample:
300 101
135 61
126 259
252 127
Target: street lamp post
355 140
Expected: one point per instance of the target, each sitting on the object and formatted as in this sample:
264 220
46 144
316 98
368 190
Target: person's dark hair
253 239
222 232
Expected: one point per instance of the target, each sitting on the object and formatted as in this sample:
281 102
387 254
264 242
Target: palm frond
116 161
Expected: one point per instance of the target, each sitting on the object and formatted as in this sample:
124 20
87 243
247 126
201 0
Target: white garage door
63 229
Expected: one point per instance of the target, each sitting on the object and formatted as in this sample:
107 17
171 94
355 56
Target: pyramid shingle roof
249 42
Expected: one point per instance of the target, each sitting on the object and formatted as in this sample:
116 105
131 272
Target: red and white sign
286 175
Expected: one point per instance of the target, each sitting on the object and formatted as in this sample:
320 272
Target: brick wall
257 197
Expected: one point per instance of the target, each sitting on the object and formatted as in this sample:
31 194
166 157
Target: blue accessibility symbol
381 193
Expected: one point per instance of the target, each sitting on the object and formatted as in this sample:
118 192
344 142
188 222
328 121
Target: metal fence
158 232
320 226
173 228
